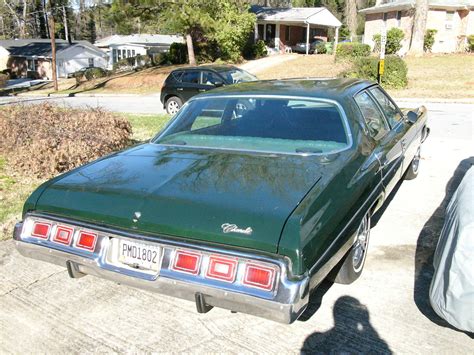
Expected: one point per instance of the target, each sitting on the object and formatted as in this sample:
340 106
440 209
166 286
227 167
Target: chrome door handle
202 90
179 89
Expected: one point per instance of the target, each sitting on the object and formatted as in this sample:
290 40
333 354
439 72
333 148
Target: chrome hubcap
416 161
173 107
361 243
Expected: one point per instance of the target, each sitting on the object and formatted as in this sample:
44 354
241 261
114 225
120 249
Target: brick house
453 19
282 28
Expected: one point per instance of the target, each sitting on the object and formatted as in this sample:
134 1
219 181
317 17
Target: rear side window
389 109
191 77
373 117
176 75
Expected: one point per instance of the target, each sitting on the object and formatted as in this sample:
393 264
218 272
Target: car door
389 150
397 122
190 84
209 80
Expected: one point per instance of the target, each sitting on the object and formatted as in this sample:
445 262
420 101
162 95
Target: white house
33 57
119 47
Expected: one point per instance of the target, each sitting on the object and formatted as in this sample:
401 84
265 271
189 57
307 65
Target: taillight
186 262
41 230
86 240
63 235
221 268
259 276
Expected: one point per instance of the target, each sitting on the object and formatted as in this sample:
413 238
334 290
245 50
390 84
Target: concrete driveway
386 310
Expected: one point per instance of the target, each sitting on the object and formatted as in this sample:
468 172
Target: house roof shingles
392 5
40 47
313 15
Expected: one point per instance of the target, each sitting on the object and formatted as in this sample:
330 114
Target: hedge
352 50
395 75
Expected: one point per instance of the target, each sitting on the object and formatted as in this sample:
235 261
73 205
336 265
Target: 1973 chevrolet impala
247 200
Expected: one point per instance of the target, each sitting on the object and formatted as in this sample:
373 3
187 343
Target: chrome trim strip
328 101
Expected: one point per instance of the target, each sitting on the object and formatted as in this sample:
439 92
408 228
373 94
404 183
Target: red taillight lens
63 235
41 230
187 262
221 268
86 240
259 276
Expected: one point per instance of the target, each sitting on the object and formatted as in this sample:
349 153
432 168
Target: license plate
139 255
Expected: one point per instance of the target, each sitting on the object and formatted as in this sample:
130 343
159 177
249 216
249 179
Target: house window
119 54
449 19
287 33
399 18
114 56
133 52
129 54
385 17
91 62
261 31
30 65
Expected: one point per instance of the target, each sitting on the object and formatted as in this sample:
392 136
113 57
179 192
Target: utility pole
66 31
53 46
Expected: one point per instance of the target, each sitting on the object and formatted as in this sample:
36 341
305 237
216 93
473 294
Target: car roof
215 67
334 89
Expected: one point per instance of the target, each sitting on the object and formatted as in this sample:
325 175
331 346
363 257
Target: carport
281 28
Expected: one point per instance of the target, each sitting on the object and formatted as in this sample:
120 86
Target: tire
412 171
350 267
173 104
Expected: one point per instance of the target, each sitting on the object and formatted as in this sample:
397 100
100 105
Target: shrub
94 73
321 48
260 49
178 53
429 40
470 43
351 50
395 75
45 140
394 41
3 80
124 64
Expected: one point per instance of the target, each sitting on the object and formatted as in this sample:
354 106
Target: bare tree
419 28
350 12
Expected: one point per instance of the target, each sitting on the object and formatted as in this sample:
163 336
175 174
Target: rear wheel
350 268
412 171
173 104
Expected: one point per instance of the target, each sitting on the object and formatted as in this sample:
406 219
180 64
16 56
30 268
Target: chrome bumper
285 304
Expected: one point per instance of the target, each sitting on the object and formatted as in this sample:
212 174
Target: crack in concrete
31 283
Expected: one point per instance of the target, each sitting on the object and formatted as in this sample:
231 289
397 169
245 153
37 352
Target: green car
250 197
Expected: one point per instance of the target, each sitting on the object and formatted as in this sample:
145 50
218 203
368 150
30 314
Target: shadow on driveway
352 332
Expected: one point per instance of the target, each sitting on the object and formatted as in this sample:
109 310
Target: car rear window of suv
265 124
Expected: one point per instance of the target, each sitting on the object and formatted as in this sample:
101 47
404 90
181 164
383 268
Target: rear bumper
284 305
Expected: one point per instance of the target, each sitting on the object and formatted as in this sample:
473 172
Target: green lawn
15 189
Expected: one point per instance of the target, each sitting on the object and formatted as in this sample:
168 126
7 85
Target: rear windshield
282 125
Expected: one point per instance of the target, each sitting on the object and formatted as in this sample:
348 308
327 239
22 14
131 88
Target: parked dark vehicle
301 47
249 198
182 84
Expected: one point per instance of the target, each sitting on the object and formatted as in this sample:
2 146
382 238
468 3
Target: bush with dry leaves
44 140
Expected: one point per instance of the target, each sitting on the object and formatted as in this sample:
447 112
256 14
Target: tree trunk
419 28
23 24
189 42
350 13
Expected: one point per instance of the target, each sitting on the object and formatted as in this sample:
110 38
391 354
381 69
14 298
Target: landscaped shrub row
3 80
352 50
44 140
395 75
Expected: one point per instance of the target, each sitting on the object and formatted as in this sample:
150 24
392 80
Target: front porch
284 28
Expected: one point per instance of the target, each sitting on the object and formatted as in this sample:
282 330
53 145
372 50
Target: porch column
336 39
264 31
255 36
277 36
307 38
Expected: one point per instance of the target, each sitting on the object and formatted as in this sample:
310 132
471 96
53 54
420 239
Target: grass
431 76
15 189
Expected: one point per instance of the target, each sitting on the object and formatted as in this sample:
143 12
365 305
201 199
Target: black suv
182 84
